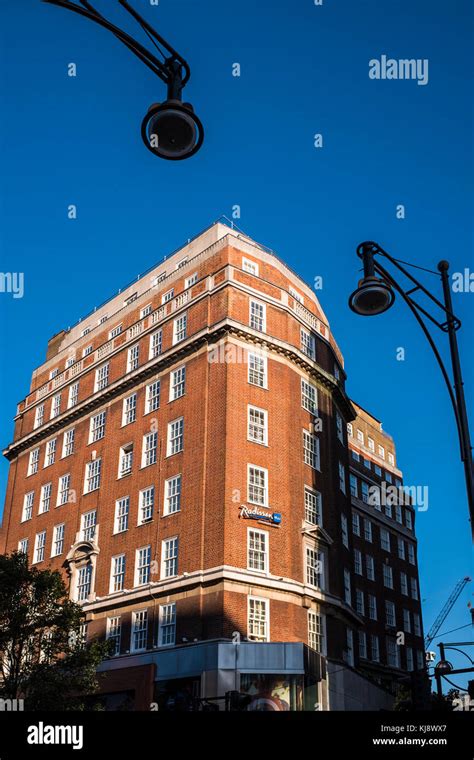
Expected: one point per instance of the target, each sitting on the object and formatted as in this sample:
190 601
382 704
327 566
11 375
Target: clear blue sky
304 70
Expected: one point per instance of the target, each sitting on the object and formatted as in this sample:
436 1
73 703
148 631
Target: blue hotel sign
257 513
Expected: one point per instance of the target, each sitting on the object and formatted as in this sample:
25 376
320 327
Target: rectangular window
133 355
309 398
180 328
347 587
45 498
114 633
381 452
50 455
408 519
349 650
84 579
33 461
117 574
175 439
388 477
101 377
414 588
357 562
344 531
63 490
362 645
411 554
257 429
129 411
388 510
353 485
68 442
355 524
342 477
420 661
367 463
339 427
115 331
308 344
404 584
257 370
167 625
258 619
367 530
409 658
316 631
311 454
139 631
92 477
167 296
393 653
122 508
369 566
297 296
314 567
257 485
86 351
360 436
130 299
169 557
378 470
156 344
125 460
406 621
73 396
145 311
149 449
40 543
312 506
360 606
152 397
371 444
257 550
23 546
385 539
401 548
350 432
372 607
416 624
182 263
355 456
374 648
142 565
390 614
146 504
172 495
250 266
190 280
88 525
56 406
387 576
398 514
28 506
39 416
257 316
97 427
364 489
177 383
391 459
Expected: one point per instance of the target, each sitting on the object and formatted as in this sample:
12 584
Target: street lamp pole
375 294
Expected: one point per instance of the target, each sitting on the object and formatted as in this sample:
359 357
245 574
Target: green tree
43 658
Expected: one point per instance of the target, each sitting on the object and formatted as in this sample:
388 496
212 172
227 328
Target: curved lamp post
376 293
171 129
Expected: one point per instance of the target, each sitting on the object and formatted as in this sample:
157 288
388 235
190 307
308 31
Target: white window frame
257 315
173 490
262 620
169 557
255 553
152 396
180 328
260 372
177 383
175 437
249 266
122 514
253 487
260 426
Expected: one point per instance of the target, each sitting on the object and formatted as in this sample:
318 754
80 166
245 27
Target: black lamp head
373 296
171 130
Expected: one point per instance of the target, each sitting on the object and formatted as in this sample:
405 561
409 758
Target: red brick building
183 456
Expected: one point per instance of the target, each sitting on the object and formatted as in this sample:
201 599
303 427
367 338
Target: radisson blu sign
257 513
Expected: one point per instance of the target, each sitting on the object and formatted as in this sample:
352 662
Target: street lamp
375 294
170 130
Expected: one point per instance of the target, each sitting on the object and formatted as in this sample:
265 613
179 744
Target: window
404 584
146 503
97 427
349 650
381 452
355 524
68 443
133 354
367 530
115 331
23 546
312 506
250 266
401 548
182 263
374 648
190 280
347 587
28 506
416 624
129 411
387 576
156 344
177 383
257 429
257 316
314 567
364 489
88 525
411 554
353 485
406 621
56 406
369 566
355 456
125 460
344 531
388 509
63 490
130 299
378 470
388 477
311 454
149 449
92 477
309 399
390 614
257 370
122 508
342 478
337 373
142 565
257 485
339 427
308 343
391 459
50 455
139 631
73 396
167 296
420 662
45 498
393 654
372 607
349 429
360 436
316 631
297 296
360 606
409 658
152 397
101 377
145 311
257 550
85 331
414 588
117 573
39 416
113 634
169 557
367 463
40 543
167 625
357 562
172 495
175 437
33 461
371 444
86 351
385 539
398 514
408 519
83 584
158 278
179 328
258 619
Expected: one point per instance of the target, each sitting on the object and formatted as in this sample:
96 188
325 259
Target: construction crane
445 611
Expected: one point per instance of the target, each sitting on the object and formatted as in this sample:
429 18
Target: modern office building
183 457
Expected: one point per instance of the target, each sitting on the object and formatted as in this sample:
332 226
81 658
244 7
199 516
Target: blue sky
304 70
